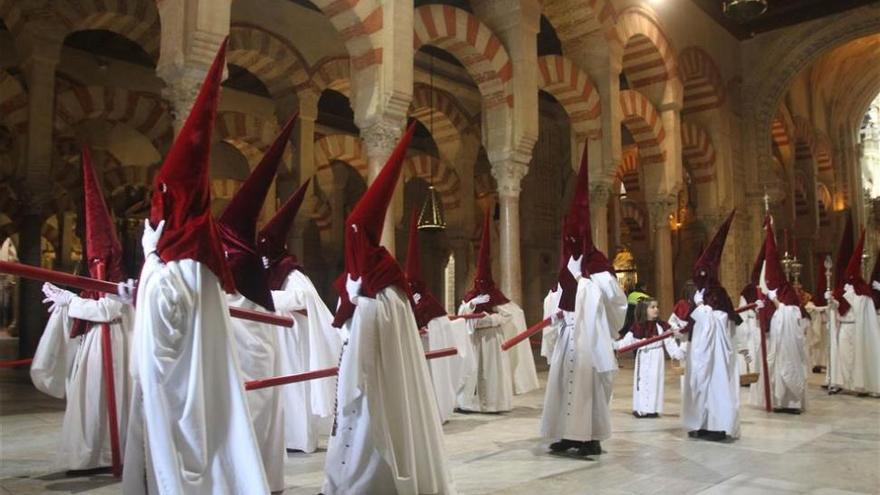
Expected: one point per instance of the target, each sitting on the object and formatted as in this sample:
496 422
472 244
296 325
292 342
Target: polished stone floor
832 449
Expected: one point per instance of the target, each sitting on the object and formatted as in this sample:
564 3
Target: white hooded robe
786 360
488 386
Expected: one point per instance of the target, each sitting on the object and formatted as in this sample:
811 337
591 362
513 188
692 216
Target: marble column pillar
379 139
304 158
600 193
660 210
509 174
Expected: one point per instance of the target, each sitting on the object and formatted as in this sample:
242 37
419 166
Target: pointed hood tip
484 282
705 271
101 241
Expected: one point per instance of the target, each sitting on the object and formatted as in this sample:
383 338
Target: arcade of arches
682 122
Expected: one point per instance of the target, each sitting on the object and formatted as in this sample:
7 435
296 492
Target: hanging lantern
744 10
431 217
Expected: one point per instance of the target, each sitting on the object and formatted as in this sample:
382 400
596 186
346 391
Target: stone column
379 139
600 193
659 210
508 174
304 158
192 31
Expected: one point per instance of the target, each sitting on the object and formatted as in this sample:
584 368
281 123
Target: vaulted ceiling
780 13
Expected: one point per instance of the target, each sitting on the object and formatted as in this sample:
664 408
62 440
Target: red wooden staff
467 316
324 373
762 329
528 332
110 385
13 363
86 283
670 333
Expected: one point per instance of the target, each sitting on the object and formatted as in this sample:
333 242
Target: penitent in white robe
786 360
74 368
522 362
387 438
488 386
448 374
312 344
817 335
747 341
650 371
256 345
710 398
189 430
858 347
577 402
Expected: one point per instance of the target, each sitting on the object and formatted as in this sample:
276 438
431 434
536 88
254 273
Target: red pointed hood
844 253
272 240
774 275
483 281
853 275
238 224
101 243
875 277
594 261
182 189
575 226
364 257
750 291
428 306
705 272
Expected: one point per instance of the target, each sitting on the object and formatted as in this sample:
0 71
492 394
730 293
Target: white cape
860 353
256 347
312 344
387 437
786 360
488 384
189 431
710 399
522 362
85 433
449 374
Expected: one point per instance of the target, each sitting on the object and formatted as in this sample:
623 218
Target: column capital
308 105
380 137
509 174
600 192
181 91
660 209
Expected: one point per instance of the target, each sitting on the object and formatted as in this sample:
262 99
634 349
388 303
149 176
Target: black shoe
834 390
824 386
695 434
652 415
563 445
715 436
593 447
638 415
818 369
89 472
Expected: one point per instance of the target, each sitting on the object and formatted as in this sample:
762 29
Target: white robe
550 333
710 398
817 336
577 402
747 341
256 346
189 430
74 368
522 362
387 437
488 386
858 346
312 344
448 374
650 371
786 361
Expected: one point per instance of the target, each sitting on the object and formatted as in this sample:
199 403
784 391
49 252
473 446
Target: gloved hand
125 291
56 296
875 285
265 262
759 304
417 297
698 297
150 239
555 317
829 295
353 288
772 294
574 267
848 288
477 300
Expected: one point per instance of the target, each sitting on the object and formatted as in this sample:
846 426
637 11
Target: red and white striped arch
143 112
823 204
573 90
628 171
648 56
473 44
824 153
359 23
13 103
258 132
701 80
634 218
278 65
441 114
436 171
322 213
804 139
698 152
137 20
575 21
338 147
332 73
643 122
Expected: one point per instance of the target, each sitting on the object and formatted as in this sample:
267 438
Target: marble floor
832 449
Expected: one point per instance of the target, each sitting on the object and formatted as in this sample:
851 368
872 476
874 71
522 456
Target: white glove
477 300
125 291
759 304
57 296
772 294
353 288
698 297
876 285
417 297
554 318
150 239
829 295
574 267
848 288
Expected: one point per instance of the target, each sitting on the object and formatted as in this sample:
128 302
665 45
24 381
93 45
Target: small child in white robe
650 364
